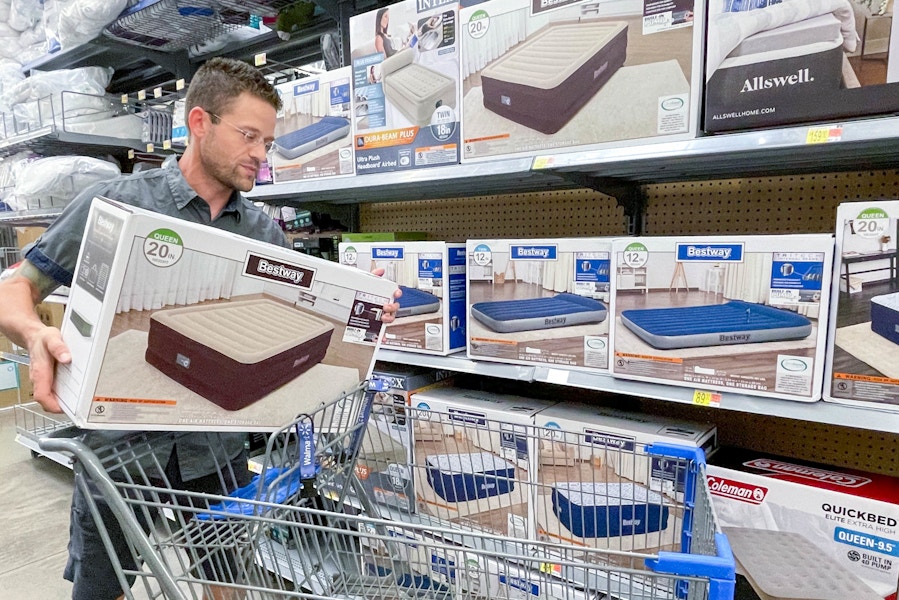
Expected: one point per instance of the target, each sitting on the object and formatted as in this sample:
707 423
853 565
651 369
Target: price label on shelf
179 85
157 92
823 135
124 98
706 398
130 154
142 95
259 59
150 148
166 144
542 162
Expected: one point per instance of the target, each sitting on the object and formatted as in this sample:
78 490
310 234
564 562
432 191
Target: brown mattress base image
235 353
506 94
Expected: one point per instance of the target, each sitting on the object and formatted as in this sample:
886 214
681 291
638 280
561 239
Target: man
230 113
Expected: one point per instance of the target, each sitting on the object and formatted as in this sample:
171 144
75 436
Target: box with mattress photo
432 314
806 530
795 61
863 345
313 134
406 93
613 72
540 301
598 488
744 314
473 458
385 457
176 326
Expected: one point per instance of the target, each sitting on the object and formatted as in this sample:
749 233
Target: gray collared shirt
164 191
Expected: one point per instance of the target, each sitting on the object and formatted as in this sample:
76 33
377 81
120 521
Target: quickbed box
177 326
406 88
776 63
539 76
473 458
313 134
432 314
744 314
863 345
539 301
843 523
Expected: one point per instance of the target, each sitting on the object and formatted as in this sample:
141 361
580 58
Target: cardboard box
10 393
849 516
385 458
27 235
744 314
178 326
544 76
406 91
863 346
432 314
781 63
313 135
540 301
474 459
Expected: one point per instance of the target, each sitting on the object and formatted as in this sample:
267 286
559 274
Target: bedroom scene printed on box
611 71
406 102
740 314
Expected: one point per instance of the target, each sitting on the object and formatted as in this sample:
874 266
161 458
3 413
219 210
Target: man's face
227 155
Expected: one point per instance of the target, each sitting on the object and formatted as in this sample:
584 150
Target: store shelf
501 176
16 358
52 139
818 412
853 145
40 217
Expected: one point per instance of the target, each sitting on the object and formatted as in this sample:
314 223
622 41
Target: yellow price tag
550 568
259 59
179 85
166 144
823 135
542 162
157 92
149 147
142 95
124 98
130 154
706 398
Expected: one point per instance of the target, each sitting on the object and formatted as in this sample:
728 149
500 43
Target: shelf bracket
628 194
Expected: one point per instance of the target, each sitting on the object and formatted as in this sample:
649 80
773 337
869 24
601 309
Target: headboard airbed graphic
600 510
464 477
416 302
416 91
561 310
885 316
305 140
235 353
547 79
734 322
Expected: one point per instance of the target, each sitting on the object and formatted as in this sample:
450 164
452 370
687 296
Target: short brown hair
220 80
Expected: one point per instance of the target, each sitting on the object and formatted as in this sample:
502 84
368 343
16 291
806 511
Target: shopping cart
309 528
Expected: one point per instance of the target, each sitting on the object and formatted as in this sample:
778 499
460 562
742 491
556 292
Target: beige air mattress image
237 352
416 91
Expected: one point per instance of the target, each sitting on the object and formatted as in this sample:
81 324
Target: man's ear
197 122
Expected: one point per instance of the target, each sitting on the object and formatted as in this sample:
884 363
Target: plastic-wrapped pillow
82 20
24 14
37 100
55 180
4 11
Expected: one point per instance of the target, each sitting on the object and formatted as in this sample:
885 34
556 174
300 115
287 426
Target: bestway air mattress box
561 66
178 326
464 477
235 353
416 302
590 510
885 316
305 140
415 90
528 314
740 313
733 322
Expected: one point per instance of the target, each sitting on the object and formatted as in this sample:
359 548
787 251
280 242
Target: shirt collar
184 194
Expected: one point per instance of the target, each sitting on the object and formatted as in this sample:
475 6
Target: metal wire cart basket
318 522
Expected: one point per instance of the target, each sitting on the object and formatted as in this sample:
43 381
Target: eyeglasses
250 137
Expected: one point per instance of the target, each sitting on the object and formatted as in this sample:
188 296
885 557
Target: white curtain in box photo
749 281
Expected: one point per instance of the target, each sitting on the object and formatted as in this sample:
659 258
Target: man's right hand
45 350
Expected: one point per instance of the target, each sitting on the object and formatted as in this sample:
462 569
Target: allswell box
777 63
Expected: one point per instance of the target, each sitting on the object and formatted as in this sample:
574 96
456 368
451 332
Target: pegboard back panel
782 204
566 213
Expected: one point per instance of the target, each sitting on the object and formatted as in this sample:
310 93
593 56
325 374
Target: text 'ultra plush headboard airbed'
544 81
464 477
416 302
415 90
305 140
885 316
599 510
561 310
235 353
734 322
